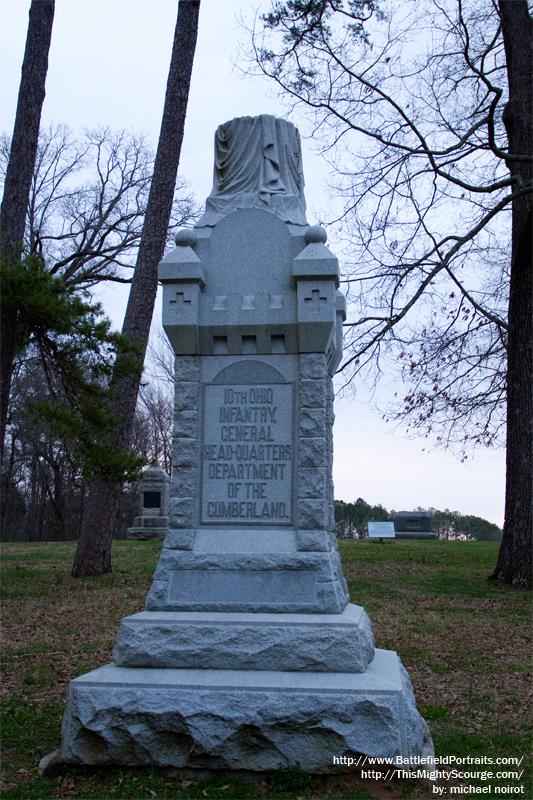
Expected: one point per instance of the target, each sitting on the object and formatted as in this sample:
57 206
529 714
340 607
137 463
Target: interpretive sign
247 454
381 530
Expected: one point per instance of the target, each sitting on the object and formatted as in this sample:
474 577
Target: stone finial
258 164
316 234
185 237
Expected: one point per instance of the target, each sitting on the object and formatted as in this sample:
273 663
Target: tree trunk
19 175
93 554
514 563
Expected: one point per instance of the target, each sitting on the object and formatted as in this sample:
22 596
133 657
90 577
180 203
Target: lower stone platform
208 640
236 719
146 534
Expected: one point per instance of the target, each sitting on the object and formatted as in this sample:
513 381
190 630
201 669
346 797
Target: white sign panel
381 530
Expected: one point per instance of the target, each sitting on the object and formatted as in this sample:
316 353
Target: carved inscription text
247 454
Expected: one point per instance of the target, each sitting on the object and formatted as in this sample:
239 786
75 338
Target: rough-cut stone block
312 514
157 596
300 642
181 539
312 422
251 561
313 365
312 453
184 453
333 539
312 482
329 566
312 394
333 595
184 481
186 423
236 719
314 541
186 368
181 512
186 395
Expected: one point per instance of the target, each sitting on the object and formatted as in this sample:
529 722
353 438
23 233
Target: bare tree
19 174
93 554
43 483
425 111
156 401
87 202
153 422
41 477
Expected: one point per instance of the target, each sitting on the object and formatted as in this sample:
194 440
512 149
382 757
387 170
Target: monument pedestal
249 654
413 525
286 642
242 719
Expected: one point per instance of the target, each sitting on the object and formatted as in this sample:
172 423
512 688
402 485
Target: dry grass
465 642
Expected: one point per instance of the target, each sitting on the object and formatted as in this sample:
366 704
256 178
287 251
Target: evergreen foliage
77 349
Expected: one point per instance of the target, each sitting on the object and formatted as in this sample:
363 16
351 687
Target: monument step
146 533
150 522
301 642
242 719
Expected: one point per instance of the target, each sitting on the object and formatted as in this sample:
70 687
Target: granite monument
414 525
249 654
152 520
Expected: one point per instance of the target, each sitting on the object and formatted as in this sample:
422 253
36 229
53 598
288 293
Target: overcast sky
108 65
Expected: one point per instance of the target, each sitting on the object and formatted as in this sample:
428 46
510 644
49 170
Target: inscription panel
258 587
151 499
247 454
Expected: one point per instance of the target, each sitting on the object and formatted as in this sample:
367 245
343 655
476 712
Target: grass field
465 642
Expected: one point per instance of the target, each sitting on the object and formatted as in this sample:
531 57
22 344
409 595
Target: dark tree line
43 483
351 520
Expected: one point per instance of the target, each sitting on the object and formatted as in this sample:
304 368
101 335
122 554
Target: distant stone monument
152 522
249 654
413 525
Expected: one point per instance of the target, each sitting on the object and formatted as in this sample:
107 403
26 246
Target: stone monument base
241 719
239 641
146 527
146 534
